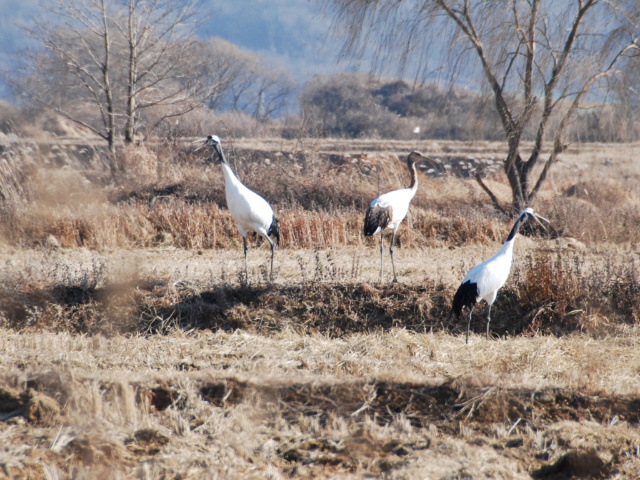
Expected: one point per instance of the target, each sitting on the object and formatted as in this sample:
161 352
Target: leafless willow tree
540 60
104 62
224 68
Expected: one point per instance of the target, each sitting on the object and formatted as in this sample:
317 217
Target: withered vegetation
551 293
131 348
397 403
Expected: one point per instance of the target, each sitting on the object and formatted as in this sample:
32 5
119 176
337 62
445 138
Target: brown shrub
9 399
562 292
42 410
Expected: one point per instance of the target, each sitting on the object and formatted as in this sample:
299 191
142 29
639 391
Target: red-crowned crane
389 209
484 280
249 210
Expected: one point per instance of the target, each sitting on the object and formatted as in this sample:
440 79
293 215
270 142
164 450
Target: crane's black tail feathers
274 230
466 296
374 218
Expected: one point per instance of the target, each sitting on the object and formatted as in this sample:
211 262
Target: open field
131 349
394 403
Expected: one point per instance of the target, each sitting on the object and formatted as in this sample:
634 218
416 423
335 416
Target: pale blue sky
291 33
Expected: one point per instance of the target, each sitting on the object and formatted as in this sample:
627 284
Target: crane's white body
491 275
398 201
249 211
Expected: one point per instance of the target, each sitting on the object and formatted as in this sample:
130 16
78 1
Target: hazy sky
291 33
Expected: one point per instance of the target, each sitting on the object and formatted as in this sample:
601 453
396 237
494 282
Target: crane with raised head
484 280
389 209
249 210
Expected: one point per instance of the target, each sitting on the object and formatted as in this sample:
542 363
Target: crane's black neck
411 163
218 149
516 226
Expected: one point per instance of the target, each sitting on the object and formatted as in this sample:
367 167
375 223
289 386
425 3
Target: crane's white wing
249 209
490 275
398 200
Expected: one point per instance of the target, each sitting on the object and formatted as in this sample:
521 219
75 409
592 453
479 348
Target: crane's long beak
422 158
201 146
537 218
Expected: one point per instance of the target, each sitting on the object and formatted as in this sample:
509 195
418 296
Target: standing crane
249 210
389 209
484 280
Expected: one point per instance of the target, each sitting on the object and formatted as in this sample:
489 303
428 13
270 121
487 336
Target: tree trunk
108 91
130 127
513 169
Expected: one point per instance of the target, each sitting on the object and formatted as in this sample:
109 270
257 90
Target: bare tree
222 69
626 99
159 60
75 63
104 62
240 80
539 60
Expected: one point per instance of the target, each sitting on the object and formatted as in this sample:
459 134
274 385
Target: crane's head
415 157
529 214
212 141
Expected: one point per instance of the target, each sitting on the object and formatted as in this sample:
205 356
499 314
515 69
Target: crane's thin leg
393 264
469 323
488 320
273 246
246 269
381 252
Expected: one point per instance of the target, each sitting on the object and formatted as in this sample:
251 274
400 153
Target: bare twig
493 198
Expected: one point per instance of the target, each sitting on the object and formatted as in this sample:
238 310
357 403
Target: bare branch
493 198
531 54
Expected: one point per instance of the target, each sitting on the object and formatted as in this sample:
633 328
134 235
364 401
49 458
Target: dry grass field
132 349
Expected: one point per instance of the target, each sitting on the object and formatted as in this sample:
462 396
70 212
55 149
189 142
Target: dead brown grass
167 196
290 405
131 349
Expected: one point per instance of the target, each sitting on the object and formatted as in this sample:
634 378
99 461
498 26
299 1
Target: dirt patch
9 399
93 451
223 393
146 441
160 397
575 464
